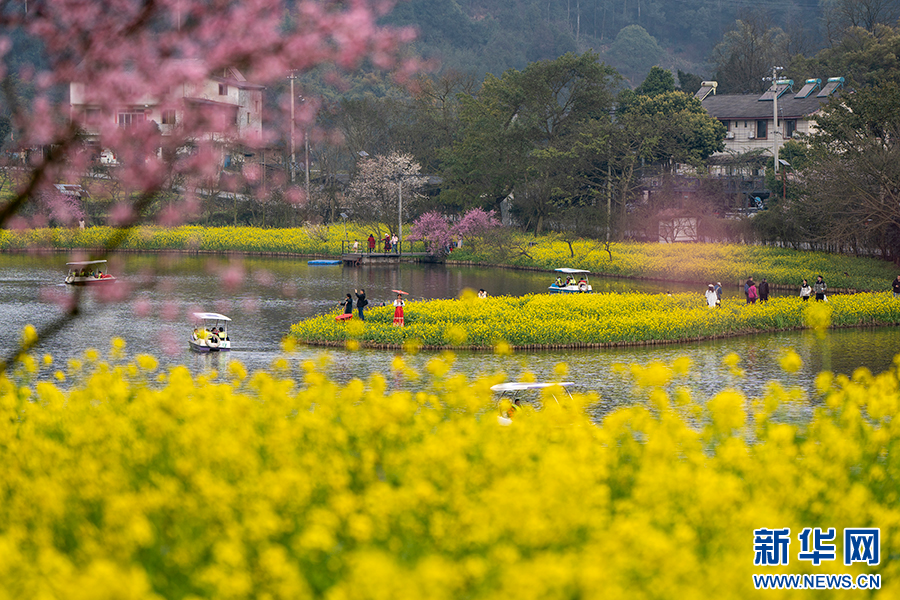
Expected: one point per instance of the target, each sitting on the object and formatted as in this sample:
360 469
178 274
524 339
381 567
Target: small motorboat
575 282
88 272
514 393
211 333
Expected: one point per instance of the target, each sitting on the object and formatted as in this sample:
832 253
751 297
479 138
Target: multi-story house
228 91
750 120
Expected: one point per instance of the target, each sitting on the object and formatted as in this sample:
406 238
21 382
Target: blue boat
323 262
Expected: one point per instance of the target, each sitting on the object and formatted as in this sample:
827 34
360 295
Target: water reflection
265 296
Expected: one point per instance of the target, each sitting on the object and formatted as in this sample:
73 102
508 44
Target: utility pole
292 126
775 119
306 141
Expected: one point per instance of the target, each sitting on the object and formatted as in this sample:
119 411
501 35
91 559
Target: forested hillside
481 36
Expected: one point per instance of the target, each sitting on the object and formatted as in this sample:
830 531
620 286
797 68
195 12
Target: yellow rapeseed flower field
590 319
138 484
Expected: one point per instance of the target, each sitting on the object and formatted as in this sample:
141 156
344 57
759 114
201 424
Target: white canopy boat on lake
88 272
211 333
517 392
575 282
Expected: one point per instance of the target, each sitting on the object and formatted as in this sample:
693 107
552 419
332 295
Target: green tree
677 126
862 57
517 133
747 53
854 172
658 81
634 51
688 82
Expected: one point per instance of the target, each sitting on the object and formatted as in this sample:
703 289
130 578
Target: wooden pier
356 259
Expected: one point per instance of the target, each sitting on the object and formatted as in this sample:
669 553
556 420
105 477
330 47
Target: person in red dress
398 311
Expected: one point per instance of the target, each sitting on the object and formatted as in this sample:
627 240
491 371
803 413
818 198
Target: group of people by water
362 303
391 243
760 293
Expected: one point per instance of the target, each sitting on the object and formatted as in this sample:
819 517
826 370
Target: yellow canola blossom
505 323
269 487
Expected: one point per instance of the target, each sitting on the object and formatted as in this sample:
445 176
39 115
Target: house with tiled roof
755 122
227 91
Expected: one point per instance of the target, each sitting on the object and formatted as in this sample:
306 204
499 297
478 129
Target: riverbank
587 321
685 263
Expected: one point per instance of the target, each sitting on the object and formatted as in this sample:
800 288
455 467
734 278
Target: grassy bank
300 241
701 263
580 320
146 485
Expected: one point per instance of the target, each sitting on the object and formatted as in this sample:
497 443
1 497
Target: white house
228 91
750 119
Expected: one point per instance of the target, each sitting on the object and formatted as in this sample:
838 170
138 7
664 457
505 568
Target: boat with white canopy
210 334
514 393
88 272
575 282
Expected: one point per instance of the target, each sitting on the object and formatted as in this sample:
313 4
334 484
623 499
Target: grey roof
749 106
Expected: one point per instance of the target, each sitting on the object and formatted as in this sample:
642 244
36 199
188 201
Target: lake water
150 309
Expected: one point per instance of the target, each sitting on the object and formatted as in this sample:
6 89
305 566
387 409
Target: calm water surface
150 310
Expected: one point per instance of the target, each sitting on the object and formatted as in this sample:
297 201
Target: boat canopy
517 386
84 263
211 316
570 271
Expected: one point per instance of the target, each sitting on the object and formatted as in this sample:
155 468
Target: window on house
92 115
727 125
761 129
126 118
223 89
790 126
248 118
168 117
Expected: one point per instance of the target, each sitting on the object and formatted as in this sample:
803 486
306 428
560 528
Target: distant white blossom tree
375 193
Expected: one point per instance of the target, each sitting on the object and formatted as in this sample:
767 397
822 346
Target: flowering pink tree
434 230
125 55
475 224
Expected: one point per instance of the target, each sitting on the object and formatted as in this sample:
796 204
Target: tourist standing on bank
718 289
752 293
395 241
371 243
895 285
764 290
398 311
361 303
711 298
805 291
747 285
819 288
348 305
355 246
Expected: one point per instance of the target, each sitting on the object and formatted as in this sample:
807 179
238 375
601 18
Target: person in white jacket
711 297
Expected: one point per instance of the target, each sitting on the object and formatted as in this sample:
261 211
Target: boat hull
570 289
89 280
201 346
